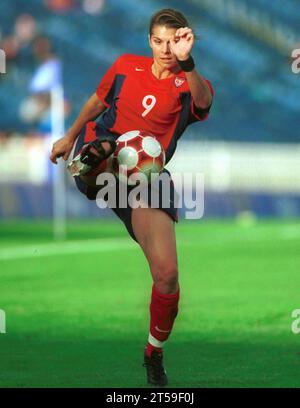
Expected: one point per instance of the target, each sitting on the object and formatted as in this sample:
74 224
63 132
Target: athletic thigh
154 230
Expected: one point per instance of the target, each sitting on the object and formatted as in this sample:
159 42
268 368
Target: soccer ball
137 152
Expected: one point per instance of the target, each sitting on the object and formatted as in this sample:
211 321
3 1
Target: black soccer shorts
125 213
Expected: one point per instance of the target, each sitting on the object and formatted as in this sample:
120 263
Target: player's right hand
61 148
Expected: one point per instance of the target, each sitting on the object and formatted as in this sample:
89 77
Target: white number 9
148 106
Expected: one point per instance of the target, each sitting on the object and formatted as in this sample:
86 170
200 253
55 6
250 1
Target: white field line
291 232
66 248
117 244
247 235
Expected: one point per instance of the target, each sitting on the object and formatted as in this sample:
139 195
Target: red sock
149 348
163 311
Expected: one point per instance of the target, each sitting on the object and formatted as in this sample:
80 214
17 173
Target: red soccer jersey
136 99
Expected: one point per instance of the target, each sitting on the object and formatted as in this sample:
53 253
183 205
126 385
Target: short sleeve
199 114
106 83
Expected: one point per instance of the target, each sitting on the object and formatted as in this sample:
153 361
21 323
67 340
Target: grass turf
80 319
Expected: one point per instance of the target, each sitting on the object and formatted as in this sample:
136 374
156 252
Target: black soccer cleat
87 159
156 374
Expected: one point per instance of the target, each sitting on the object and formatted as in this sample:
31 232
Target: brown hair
168 17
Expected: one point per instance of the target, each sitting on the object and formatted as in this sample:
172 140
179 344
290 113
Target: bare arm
181 46
91 109
200 91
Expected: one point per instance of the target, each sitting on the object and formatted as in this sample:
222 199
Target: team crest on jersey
179 81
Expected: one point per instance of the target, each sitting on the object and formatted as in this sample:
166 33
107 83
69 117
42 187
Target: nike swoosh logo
139 69
162 331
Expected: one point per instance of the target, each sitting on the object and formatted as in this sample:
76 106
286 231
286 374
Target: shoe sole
77 168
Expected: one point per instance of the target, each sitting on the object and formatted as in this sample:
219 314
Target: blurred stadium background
248 149
249 153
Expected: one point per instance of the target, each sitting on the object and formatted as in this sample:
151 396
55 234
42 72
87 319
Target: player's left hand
182 43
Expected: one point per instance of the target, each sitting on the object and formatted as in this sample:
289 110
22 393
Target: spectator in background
93 7
42 49
60 6
25 29
17 45
10 46
36 109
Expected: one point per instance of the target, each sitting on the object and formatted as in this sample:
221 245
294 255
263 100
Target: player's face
159 41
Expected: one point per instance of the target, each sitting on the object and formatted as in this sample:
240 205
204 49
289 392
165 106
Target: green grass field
77 311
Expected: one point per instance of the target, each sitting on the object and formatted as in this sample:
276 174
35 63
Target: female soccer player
161 94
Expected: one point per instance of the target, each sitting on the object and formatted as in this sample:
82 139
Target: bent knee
165 277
